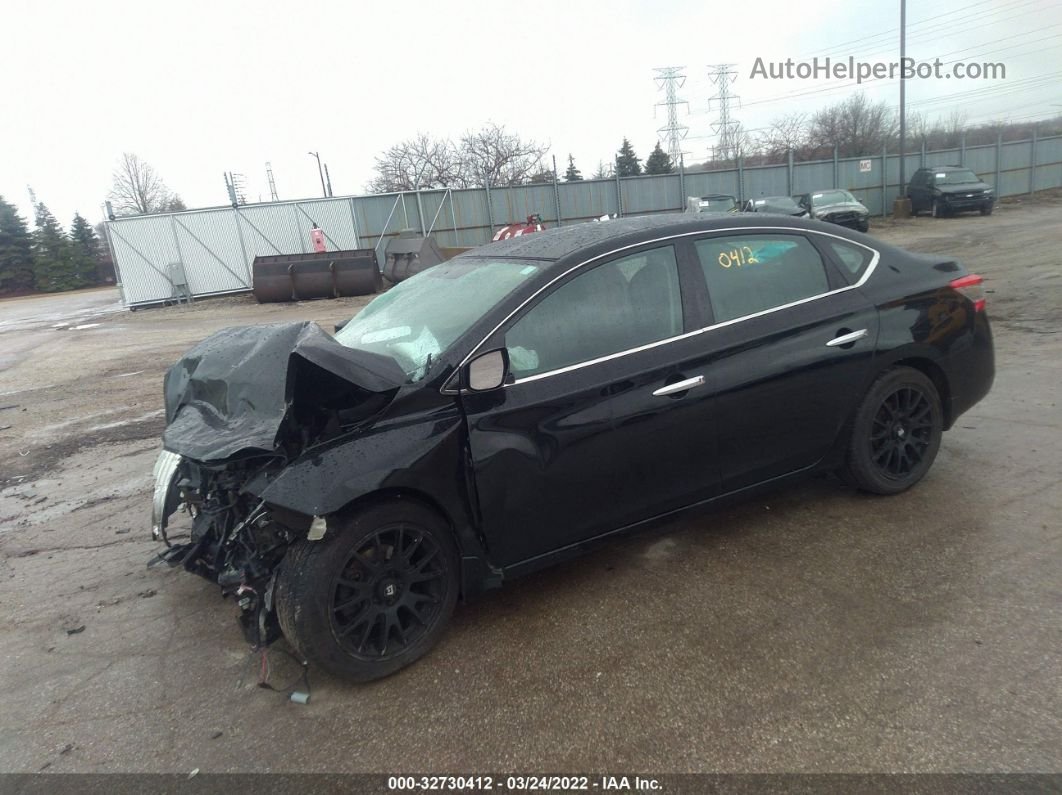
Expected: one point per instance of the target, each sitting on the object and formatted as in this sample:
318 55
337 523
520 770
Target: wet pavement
814 629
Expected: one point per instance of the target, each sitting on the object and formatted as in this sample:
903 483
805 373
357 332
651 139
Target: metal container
408 255
327 274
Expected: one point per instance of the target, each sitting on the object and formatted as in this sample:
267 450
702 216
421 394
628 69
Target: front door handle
847 339
679 386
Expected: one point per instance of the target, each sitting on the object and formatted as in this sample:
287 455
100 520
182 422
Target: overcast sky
200 88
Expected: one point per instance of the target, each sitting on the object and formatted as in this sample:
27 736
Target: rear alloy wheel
896 433
372 597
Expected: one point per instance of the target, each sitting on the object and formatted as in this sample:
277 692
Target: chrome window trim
449 388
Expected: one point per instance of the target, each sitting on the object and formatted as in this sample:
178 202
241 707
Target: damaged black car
508 408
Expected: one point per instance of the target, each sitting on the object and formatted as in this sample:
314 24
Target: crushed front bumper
164 501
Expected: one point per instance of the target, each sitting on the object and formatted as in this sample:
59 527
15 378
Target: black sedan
836 207
775 205
506 409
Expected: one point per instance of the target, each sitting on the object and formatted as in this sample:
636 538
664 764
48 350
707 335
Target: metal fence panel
143 247
703 183
809 177
209 248
333 218
583 200
217 246
764 181
982 160
651 194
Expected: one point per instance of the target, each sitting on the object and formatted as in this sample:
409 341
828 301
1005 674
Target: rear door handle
846 339
679 386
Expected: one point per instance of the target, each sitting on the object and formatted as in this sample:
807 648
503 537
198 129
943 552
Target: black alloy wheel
374 594
388 593
901 432
896 432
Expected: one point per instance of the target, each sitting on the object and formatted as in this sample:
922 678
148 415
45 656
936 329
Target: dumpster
325 274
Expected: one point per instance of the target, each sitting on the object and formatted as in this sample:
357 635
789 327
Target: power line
670 80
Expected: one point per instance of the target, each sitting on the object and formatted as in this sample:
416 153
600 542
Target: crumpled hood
232 392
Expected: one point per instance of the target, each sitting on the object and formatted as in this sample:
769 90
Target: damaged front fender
421 452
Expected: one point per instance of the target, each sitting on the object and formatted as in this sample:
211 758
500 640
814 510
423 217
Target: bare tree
786 134
856 126
422 162
499 157
603 171
492 154
137 188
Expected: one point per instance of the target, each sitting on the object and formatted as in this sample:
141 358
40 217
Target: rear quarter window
853 259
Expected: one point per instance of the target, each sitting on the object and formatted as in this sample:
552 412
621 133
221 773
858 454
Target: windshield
964 177
831 197
419 318
716 204
774 204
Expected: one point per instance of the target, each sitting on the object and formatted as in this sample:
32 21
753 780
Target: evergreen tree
572 174
16 252
659 162
628 164
53 261
105 262
85 250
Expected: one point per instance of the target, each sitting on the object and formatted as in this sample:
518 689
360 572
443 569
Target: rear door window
751 273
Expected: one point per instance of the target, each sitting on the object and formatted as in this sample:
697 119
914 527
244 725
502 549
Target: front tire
986 209
896 433
937 211
373 596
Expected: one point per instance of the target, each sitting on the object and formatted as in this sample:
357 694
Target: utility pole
723 75
671 79
328 182
320 173
902 206
272 185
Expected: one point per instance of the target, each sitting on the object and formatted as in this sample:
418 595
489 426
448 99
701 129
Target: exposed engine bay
240 407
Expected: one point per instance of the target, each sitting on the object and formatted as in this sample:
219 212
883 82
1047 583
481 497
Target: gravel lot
815 630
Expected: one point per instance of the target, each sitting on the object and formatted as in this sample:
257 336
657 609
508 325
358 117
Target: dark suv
949 189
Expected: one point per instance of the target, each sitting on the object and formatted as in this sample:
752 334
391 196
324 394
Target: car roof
585 240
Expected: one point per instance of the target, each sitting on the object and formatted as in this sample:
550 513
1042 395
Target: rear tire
373 596
896 433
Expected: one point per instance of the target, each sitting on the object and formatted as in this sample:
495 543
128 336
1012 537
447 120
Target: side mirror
487 371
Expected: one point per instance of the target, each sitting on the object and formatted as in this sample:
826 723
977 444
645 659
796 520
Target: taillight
972 287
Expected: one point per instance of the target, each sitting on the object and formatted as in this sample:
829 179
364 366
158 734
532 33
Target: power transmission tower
236 187
671 79
272 185
723 75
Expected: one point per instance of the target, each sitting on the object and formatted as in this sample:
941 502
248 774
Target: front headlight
164 500
988 191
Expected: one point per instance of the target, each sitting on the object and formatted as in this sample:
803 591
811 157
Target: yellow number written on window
737 256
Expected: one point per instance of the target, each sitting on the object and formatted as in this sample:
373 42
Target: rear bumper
970 369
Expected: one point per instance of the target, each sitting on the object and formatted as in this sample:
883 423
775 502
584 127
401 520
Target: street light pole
903 92
320 173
